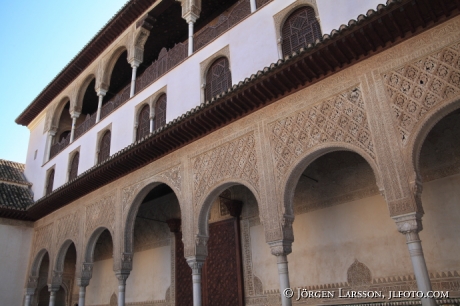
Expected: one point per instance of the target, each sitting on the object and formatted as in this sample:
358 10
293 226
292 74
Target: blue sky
37 39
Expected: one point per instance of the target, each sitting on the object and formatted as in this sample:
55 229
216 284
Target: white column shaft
99 106
196 279
253 6
81 296
418 263
190 38
72 131
52 298
133 82
48 146
151 125
121 295
27 300
283 273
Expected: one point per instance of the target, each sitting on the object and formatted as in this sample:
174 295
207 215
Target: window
160 112
104 147
143 127
49 182
73 170
300 29
218 78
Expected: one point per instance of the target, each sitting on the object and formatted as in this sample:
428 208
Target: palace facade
219 152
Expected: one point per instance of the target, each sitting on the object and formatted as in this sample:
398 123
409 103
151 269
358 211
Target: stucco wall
15 244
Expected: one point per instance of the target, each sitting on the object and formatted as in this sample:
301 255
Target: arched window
73 170
218 78
49 182
143 121
300 29
104 147
160 112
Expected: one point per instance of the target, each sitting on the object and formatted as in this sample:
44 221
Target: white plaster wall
334 13
264 263
151 275
103 283
15 244
249 52
441 224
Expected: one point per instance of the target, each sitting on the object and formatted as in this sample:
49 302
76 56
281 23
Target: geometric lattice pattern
67 228
359 275
416 88
341 118
101 213
235 159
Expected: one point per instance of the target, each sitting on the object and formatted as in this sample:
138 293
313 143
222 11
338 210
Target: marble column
410 225
134 65
196 265
253 6
122 277
28 297
49 143
74 117
101 95
281 249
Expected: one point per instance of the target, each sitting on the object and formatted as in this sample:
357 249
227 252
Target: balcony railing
167 60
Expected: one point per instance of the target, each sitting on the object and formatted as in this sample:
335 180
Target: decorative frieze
101 213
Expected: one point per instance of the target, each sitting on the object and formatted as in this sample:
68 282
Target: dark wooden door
222 277
184 285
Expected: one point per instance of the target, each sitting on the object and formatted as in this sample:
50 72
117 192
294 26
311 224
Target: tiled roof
12 172
15 196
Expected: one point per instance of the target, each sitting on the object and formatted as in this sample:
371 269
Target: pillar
190 38
196 265
28 297
81 296
49 142
52 291
74 117
253 6
134 65
122 277
101 95
152 123
83 282
281 249
410 225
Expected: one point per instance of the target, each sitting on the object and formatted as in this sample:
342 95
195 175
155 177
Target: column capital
196 263
124 264
32 282
134 62
409 223
191 10
74 114
29 291
122 276
281 247
82 282
101 92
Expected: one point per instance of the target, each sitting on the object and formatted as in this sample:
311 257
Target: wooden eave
378 31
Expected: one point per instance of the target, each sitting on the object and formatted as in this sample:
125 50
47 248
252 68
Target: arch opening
42 296
120 77
157 234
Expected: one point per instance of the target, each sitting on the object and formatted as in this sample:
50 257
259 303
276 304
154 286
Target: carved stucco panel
43 237
236 159
67 227
101 213
341 118
420 86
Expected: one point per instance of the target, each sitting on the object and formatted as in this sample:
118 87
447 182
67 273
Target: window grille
218 78
160 112
104 147
49 183
143 128
300 29
73 173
